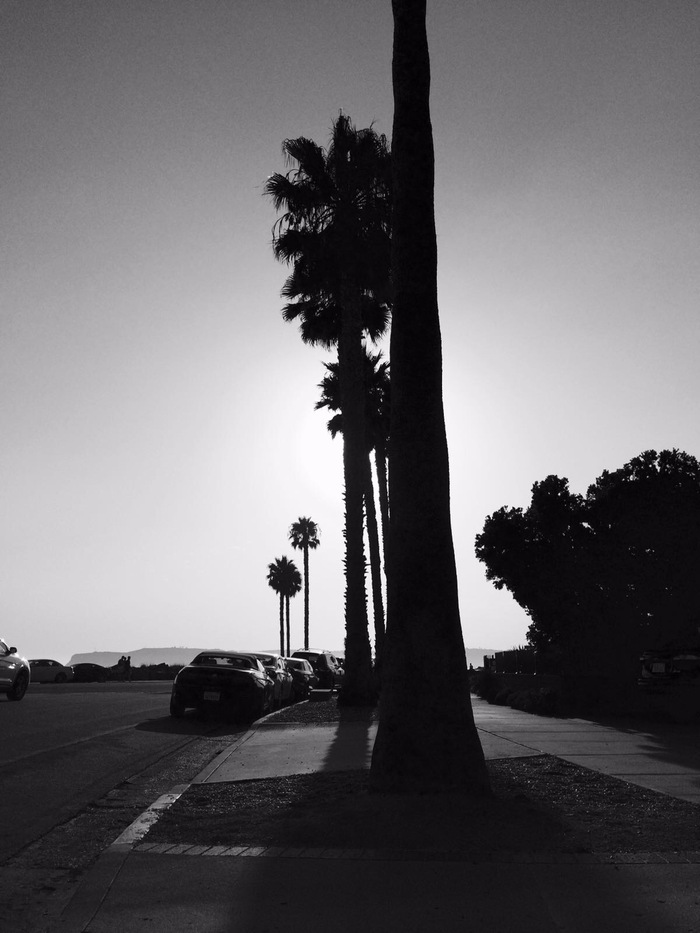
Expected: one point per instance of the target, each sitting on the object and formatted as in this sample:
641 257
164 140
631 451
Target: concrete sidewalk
136 885
667 760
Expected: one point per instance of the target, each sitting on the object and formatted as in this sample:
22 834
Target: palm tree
303 535
427 740
335 232
376 386
284 578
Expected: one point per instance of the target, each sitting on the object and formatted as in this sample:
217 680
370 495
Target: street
67 745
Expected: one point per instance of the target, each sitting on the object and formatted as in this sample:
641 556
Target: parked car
46 671
231 682
668 666
325 667
303 677
280 675
15 673
85 672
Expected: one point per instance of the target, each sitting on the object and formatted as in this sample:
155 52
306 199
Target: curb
99 878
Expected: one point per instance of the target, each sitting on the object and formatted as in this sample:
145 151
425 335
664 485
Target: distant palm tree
335 232
304 536
284 578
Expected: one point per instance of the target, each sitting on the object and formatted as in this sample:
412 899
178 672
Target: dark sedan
229 682
86 673
304 679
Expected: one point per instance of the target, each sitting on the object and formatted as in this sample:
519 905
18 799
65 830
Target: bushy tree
606 575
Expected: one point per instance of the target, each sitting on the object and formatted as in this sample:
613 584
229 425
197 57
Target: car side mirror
13 650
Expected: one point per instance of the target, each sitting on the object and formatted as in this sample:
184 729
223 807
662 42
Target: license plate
658 668
212 695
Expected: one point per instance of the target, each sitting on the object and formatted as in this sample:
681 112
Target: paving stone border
403 855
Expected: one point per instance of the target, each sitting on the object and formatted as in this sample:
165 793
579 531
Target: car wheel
60 679
177 707
19 688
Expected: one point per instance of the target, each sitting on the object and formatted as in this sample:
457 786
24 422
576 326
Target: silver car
48 671
15 672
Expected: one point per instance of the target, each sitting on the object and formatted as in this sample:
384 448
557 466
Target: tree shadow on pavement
353 741
675 745
192 724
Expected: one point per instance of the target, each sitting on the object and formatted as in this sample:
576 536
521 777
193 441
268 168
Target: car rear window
224 660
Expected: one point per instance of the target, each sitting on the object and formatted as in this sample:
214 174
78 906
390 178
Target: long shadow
353 741
410 892
192 724
355 888
663 741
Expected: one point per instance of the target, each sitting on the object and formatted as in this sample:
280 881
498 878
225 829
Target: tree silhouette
426 740
284 578
304 536
376 389
335 232
605 576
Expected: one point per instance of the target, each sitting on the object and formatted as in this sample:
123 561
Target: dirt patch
539 804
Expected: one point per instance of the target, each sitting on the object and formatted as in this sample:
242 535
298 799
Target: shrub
485 684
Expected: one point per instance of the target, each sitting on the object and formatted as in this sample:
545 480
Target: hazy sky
156 413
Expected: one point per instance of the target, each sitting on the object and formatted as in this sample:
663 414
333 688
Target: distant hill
475 656
139 656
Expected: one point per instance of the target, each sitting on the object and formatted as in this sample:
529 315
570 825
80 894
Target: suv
15 673
325 665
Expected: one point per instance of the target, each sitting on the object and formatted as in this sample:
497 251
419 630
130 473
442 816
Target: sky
157 415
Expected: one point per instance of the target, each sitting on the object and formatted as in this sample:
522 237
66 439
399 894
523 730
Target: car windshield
298 664
269 660
308 655
224 660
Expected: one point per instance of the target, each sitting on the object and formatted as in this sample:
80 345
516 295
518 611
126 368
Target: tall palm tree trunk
427 740
375 565
306 597
281 623
358 686
288 651
383 490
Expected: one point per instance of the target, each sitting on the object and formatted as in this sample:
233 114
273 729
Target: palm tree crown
337 214
377 399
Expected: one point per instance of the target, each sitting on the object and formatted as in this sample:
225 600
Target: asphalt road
66 745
